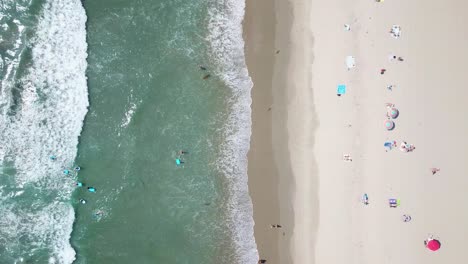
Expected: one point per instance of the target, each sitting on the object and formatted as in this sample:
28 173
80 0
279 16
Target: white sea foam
46 119
130 111
227 46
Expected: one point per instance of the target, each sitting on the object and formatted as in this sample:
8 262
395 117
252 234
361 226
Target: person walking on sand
261 261
434 170
275 226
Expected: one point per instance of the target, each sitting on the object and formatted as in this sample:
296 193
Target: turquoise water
148 99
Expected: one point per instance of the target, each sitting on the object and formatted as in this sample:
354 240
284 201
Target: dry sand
297 177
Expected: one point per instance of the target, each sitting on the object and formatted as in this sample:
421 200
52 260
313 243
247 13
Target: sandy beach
296 55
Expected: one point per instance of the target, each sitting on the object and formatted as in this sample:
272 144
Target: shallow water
148 99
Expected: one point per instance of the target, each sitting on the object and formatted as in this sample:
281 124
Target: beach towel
341 89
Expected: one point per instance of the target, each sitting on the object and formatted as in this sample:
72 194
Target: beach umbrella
393 112
388 145
389 124
433 244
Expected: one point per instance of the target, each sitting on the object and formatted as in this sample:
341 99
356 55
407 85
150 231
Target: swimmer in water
91 189
52 157
77 168
79 184
66 172
182 152
82 201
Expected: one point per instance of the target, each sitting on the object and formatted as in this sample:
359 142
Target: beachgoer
52 158
347 27
203 68
206 76
178 162
382 71
434 170
400 59
182 152
91 189
66 172
77 168
347 157
406 218
79 184
261 261
82 201
365 199
390 87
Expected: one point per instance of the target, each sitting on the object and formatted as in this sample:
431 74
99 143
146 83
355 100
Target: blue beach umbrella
388 145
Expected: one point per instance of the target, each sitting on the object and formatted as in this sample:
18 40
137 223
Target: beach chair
393 203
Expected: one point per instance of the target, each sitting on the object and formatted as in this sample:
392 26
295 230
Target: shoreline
275 44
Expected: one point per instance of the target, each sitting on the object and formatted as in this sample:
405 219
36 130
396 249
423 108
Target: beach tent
433 244
350 62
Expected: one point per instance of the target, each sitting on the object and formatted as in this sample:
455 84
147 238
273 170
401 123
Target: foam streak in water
227 46
47 120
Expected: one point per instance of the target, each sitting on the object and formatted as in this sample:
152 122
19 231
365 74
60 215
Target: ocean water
116 87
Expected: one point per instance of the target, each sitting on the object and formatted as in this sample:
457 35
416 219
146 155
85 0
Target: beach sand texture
307 187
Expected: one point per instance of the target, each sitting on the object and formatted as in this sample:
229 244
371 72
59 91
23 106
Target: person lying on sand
434 170
405 147
347 157
406 218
